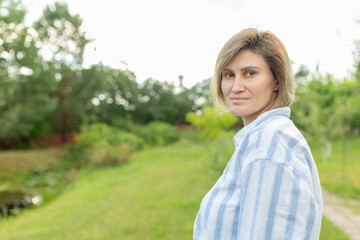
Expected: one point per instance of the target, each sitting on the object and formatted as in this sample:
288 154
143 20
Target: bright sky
163 39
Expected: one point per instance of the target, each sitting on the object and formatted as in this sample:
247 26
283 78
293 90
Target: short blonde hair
271 48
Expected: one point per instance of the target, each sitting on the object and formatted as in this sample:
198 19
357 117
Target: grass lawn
156 196
330 232
343 180
23 160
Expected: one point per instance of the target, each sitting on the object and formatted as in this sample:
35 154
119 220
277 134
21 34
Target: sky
162 39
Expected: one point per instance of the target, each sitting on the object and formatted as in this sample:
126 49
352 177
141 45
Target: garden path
343 217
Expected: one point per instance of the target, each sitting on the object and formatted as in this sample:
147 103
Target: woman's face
248 85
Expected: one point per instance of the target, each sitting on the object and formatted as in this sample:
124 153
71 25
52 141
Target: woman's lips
238 99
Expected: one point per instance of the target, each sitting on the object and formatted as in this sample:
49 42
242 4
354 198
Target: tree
157 102
317 111
116 102
354 98
23 81
62 46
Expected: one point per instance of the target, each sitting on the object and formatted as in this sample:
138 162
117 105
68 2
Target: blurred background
107 130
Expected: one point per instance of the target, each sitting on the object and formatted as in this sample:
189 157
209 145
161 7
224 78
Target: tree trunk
65 127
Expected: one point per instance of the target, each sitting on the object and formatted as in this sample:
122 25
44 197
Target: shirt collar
285 111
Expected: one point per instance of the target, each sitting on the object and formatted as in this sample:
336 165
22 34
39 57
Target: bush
121 137
110 156
211 123
223 147
75 157
93 135
101 135
103 145
159 133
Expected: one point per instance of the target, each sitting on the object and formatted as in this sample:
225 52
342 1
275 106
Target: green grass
156 196
343 180
330 232
24 160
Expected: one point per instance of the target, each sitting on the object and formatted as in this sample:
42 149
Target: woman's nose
238 85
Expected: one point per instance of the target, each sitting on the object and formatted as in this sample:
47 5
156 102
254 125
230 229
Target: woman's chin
237 111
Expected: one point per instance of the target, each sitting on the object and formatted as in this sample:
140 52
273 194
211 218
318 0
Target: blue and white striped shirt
270 188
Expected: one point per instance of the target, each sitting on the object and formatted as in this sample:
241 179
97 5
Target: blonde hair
271 48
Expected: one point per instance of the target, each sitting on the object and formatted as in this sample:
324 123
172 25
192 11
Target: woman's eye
228 75
250 73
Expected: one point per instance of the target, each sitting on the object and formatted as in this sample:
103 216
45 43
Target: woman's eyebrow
226 70
241 69
249 67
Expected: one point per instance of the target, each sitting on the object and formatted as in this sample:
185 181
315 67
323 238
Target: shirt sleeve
277 202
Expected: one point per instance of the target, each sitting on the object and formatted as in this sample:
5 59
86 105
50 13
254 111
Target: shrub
110 156
103 145
159 133
101 135
93 135
121 137
223 147
211 123
75 157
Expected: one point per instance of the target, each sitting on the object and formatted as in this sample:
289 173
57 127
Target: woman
270 188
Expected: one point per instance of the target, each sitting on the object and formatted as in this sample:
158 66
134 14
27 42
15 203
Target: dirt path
343 217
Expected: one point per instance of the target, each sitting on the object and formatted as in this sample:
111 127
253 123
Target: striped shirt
270 188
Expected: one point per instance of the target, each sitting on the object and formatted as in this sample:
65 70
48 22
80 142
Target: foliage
357 60
75 157
100 135
63 45
158 133
23 84
50 182
200 94
157 102
41 65
102 145
223 148
115 102
314 112
354 113
110 155
210 122
350 98
325 108
61 35
215 127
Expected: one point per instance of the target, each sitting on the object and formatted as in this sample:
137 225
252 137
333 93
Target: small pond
12 201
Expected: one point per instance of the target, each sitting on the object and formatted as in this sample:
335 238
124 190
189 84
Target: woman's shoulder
279 138
278 127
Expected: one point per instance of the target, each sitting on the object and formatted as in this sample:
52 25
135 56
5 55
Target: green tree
317 111
117 100
354 98
158 102
356 54
24 84
199 94
62 46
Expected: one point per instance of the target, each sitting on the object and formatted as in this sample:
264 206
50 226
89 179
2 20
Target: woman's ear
276 86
